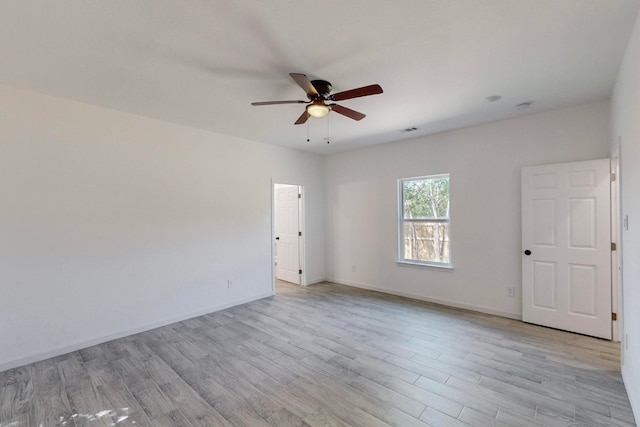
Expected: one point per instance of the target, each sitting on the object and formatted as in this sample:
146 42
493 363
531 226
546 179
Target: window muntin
424 225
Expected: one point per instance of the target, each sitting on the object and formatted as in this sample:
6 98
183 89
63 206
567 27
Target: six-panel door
566 279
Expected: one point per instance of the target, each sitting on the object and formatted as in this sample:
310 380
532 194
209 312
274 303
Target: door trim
616 234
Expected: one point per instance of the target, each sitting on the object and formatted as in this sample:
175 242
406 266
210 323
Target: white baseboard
313 282
448 303
634 398
36 357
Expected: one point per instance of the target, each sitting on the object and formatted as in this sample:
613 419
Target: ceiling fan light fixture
317 110
319 93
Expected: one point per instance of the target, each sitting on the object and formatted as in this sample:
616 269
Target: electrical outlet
229 284
510 291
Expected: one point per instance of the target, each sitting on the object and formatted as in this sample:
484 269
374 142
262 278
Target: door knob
277 238
527 252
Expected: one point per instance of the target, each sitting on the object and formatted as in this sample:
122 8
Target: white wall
626 128
484 163
112 223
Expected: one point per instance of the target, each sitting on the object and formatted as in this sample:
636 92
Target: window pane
427 241
426 198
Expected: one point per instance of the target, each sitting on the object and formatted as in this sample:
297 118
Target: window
423 225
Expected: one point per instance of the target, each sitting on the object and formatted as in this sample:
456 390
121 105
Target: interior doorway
288 235
566 262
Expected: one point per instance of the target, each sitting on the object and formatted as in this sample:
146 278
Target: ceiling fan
319 93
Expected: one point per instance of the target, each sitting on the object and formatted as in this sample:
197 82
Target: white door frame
616 256
301 224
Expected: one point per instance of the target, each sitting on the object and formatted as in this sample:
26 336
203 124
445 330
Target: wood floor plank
348 413
327 355
262 404
425 397
86 403
195 409
276 372
50 402
285 418
397 400
587 417
444 367
24 420
153 400
525 408
575 396
16 392
553 418
295 404
351 396
516 419
397 418
520 395
174 418
466 399
360 368
224 401
119 399
622 415
323 418
437 418
477 418
419 368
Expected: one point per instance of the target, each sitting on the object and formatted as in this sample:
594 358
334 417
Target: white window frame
401 221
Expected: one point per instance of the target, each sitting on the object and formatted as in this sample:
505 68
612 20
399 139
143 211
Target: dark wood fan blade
352 114
357 93
303 118
278 102
304 83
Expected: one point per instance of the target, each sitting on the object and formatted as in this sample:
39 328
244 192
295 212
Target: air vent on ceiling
524 105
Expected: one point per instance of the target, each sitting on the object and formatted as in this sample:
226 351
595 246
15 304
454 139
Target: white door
287 233
566 244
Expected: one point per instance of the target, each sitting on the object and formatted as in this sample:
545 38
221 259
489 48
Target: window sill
445 267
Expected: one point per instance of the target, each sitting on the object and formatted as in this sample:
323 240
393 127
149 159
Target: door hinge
299 195
614 316
613 177
613 246
299 233
299 271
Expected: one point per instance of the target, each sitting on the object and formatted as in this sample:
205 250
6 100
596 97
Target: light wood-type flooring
327 355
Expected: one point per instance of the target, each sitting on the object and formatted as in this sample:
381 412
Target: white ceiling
201 63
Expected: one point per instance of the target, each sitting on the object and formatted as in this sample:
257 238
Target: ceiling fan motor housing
323 87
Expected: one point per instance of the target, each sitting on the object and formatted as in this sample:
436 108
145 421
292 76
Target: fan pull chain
328 128
308 131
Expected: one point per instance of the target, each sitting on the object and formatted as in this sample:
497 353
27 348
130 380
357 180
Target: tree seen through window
425 220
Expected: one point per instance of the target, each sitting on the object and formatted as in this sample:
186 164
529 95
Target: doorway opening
566 237
288 235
